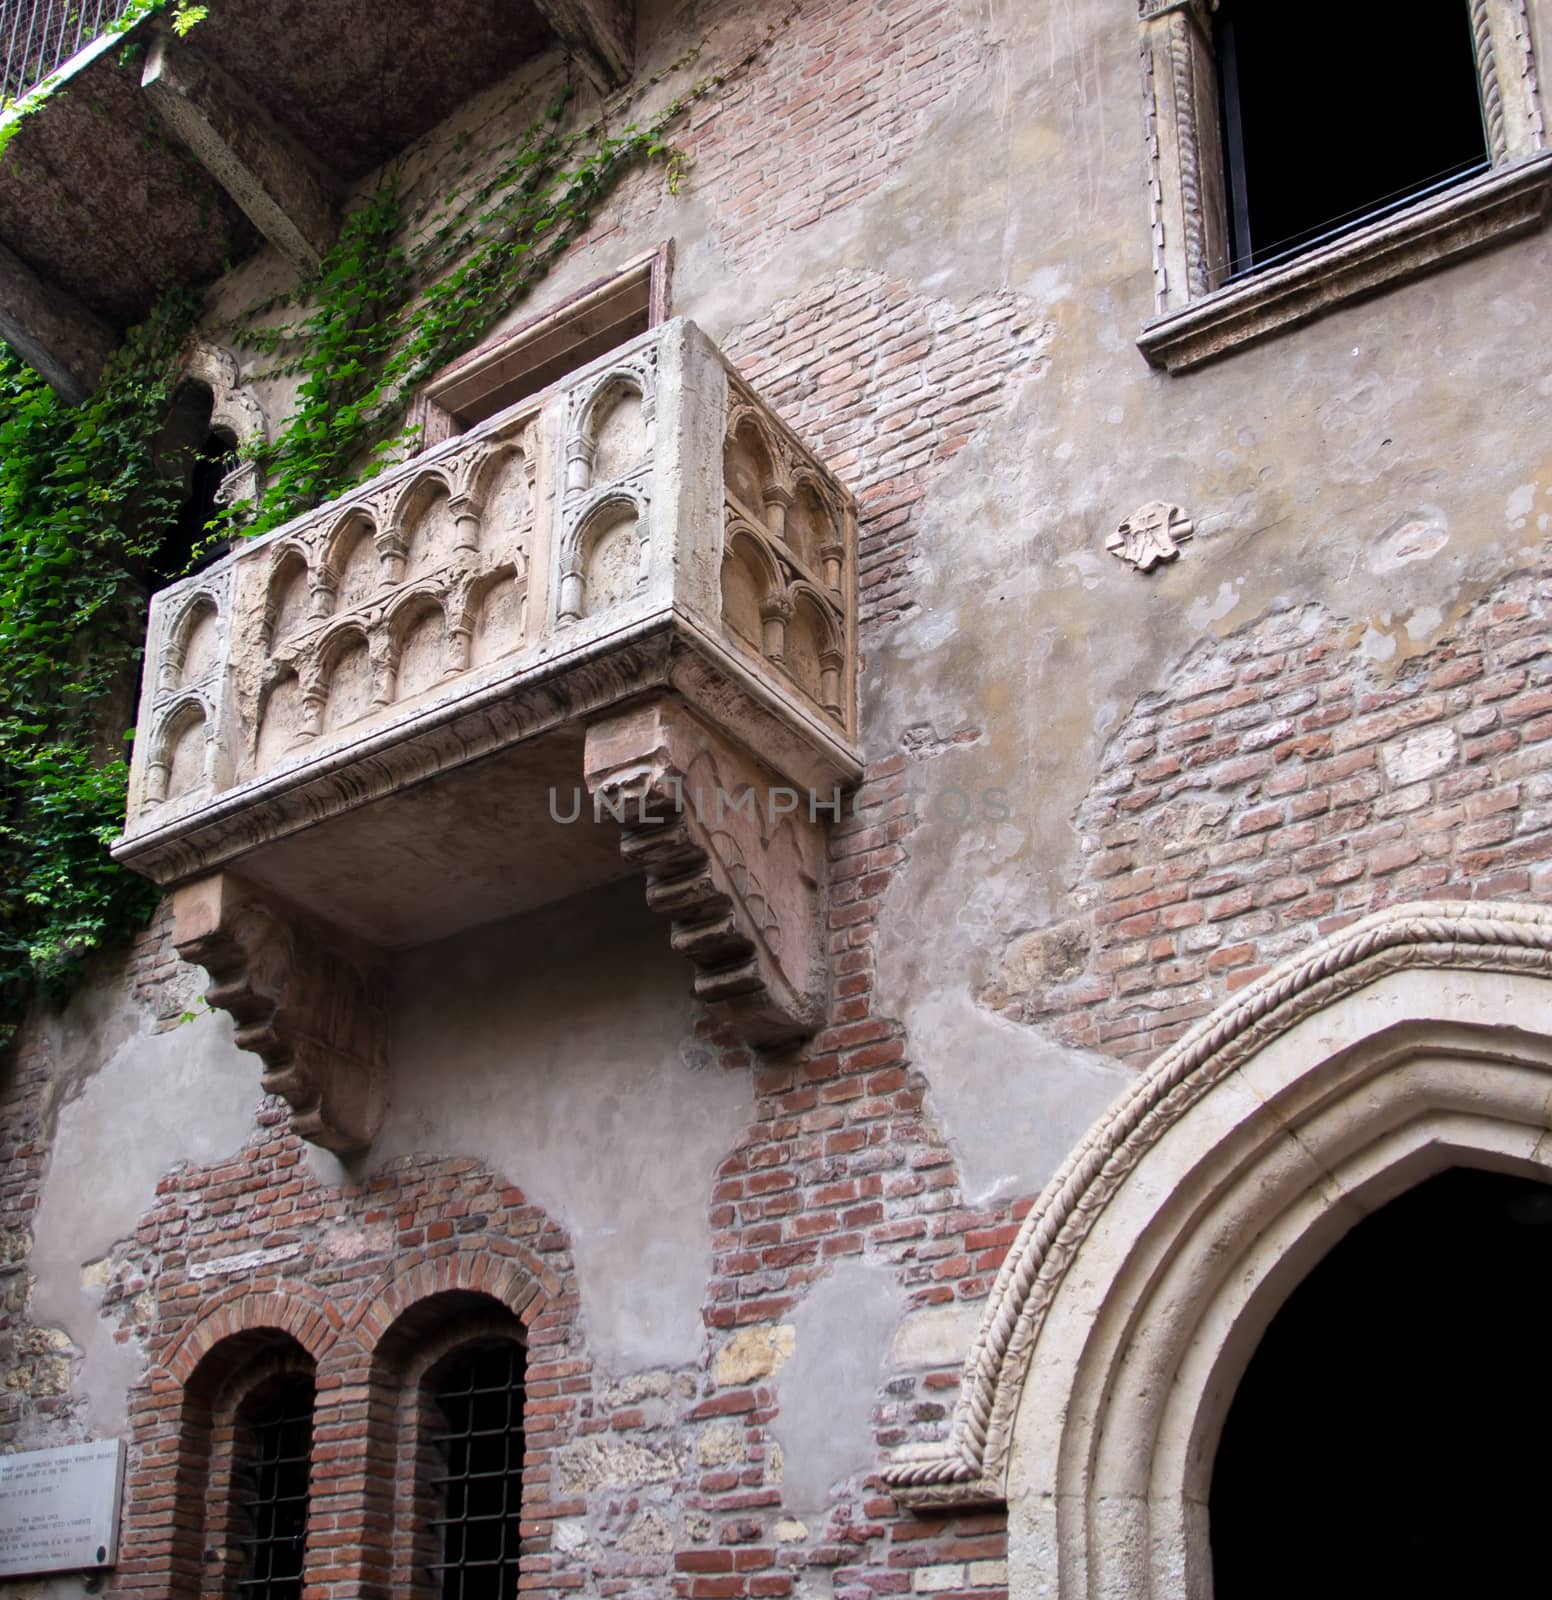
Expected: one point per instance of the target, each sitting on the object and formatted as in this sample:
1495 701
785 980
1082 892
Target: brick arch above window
188 1432
507 1274
295 1310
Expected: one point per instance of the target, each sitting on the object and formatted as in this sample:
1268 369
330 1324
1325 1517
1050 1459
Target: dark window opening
479 1401
1323 134
194 459
527 359
1377 1444
189 546
275 1442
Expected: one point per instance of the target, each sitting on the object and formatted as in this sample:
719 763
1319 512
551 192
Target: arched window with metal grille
476 1412
269 1485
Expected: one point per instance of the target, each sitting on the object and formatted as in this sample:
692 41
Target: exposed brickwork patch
888 386
1277 789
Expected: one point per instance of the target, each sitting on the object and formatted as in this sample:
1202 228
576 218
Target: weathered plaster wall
922 230
122 1130
615 1116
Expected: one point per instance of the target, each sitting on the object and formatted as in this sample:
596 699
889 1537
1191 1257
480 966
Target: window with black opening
478 1395
270 1485
1326 130
1385 1440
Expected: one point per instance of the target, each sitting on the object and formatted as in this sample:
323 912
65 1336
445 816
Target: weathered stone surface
754 1353
617 1463
51 330
600 33
310 1004
720 1444
258 164
377 711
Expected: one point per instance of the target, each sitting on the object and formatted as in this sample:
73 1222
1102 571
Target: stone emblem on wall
1152 534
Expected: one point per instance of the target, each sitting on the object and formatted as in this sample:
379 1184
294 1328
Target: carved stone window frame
1199 317
459 396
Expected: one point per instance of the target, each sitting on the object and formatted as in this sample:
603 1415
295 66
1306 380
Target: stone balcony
611 630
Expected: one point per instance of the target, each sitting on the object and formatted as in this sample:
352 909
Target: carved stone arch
235 408
487 616
287 607
338 688
754 468
408 497
342 574
755 605
283 714
475 475
604 558
414 656
812 528
1141 1282
174 668
180 748
609 439
416 534
815 653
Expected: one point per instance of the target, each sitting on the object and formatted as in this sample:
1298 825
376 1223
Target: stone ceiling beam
241 146
51 330
601 34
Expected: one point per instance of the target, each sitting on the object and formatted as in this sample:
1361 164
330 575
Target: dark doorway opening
1330 124
1390 1434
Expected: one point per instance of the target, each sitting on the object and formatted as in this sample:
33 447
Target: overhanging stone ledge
373 728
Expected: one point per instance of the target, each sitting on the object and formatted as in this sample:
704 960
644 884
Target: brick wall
1274 786
1280 785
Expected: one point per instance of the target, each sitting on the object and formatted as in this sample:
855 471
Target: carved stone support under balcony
308 1001
259 165
735 858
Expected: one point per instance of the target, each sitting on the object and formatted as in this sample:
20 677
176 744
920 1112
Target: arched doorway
1380 1439
1144 1279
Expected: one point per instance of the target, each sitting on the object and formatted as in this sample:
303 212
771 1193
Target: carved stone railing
474 685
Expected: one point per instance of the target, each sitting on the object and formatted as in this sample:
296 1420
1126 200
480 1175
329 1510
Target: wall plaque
59 1509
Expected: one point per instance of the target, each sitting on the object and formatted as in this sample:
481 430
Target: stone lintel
734 858
51 330
308 1001
257 162
601 34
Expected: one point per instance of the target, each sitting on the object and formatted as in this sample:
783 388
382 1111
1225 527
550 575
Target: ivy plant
85 503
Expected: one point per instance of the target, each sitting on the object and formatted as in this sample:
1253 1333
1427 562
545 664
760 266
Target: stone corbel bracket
310 1003
733 857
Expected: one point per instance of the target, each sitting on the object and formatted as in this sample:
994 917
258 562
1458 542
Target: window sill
1498 205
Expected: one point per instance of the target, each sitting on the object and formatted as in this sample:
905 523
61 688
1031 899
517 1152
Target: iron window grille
479 1401
272 1487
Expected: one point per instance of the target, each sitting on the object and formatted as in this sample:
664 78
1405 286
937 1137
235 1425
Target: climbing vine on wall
85 503
383 315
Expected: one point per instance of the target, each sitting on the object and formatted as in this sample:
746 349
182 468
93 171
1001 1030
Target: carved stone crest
1152 534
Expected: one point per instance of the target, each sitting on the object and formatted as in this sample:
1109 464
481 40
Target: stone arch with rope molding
1142 1281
